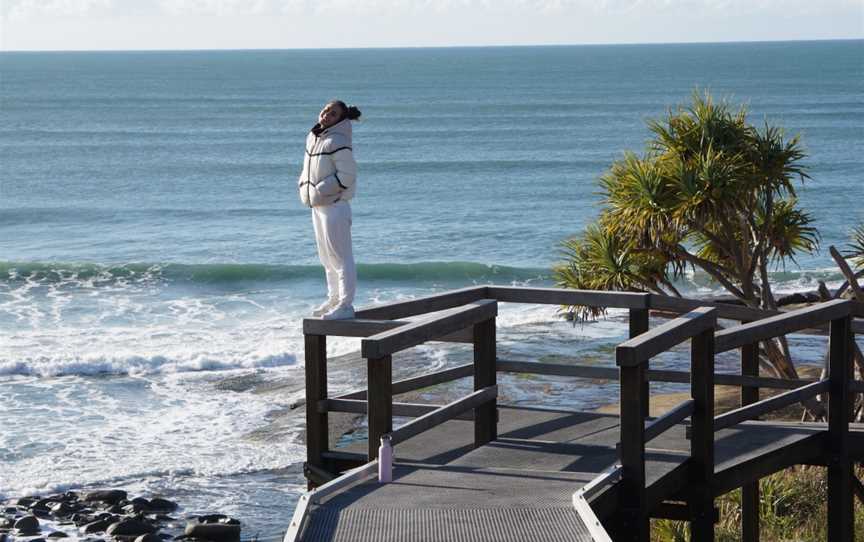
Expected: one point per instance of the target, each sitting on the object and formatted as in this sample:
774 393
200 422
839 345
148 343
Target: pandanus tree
712 193
856 247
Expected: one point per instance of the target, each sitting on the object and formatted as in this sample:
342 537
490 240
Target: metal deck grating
447 525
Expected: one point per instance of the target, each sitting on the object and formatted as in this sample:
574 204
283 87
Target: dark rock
150 537
3 537
43 513
27 526
10 510
71 495
130 527
115 509
215 532
137 506
6 523
41 503
58 534
36 540
80 519
98 526
217 518
110 496
63 509
26 501
162 504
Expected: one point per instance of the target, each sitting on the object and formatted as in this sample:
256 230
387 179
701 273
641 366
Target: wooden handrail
765 406
557 369
664 337
364 327
560 296
724 310
653 375
738 312
390 342
443 414
781 324
856 386
418 382
678 414
432 303
360 406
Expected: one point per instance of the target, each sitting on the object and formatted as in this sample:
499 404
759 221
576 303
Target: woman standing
326 185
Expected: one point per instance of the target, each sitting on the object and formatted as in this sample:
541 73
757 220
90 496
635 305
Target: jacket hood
343 127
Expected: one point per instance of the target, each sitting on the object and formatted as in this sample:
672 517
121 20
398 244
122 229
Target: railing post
485 374
750 491
639 325
379 399
702 440
633 498
317 428
840 511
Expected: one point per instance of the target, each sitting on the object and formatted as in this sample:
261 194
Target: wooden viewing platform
476 470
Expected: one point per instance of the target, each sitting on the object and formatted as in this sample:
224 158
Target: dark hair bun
352 113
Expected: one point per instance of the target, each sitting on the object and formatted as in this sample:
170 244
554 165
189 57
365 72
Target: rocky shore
100 516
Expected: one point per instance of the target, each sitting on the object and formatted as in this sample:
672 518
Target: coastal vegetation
711 193
792 507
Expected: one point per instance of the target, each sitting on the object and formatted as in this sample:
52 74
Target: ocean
155 262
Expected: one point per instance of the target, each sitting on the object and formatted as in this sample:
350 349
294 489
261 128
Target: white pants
332 225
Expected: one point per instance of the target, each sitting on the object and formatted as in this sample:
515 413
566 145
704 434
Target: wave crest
60 272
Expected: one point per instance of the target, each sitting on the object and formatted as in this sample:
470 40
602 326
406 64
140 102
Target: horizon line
395 47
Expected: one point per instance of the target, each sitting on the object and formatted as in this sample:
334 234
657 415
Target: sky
281 24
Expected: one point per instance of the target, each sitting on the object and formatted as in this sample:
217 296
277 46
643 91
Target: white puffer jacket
329 170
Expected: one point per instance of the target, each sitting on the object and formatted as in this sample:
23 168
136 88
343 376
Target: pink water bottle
385 461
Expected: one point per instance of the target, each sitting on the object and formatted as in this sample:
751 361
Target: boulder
27 526
80 519
162 505
215 532
150 537
58 534
109 496
40 508
98 526
217 518
129 527
6 523
63 509
24 502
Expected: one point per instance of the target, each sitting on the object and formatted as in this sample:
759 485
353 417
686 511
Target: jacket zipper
309 174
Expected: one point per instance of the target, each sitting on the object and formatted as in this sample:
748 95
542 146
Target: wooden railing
468 315
633 358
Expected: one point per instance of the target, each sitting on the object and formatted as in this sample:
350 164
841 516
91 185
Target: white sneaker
343 312
324 308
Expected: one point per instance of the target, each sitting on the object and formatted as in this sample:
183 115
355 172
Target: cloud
597 9
18 9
